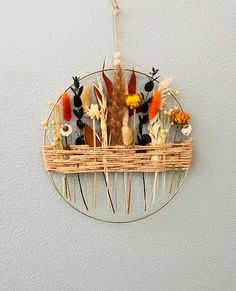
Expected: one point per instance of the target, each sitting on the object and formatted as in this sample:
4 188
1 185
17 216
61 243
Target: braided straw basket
82 159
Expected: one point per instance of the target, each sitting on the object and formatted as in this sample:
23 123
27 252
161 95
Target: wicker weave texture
82 159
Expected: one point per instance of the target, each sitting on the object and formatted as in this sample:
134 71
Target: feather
85 98
132 83
155 104
66 106
116 106
164 86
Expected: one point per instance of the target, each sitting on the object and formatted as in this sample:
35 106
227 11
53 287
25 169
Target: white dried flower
66 130
186 130
93 112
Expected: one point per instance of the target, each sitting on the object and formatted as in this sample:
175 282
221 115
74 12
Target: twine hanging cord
116 12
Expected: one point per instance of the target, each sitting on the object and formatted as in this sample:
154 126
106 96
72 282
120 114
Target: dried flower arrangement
116 128
118 124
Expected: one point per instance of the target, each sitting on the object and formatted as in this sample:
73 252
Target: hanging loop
116 11
116 8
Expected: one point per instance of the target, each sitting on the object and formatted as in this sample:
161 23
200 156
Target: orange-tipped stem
155 104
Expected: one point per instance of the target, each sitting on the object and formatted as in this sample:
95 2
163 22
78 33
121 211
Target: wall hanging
117 143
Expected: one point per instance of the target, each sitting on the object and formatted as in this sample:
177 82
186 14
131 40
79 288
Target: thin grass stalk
129 175
163 173
155 187
81 191
173 172
74 189
125 192
109 195
179 173
129 193
64 186
95 174
103 118
144 192
86 188
115 191
153 129
68 188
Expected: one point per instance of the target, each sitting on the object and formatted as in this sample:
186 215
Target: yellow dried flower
179 117
133 100
45 123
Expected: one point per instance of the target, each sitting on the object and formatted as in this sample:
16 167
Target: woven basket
82 159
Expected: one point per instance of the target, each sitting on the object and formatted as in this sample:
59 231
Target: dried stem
103 118
95 174
109 195
173 172
81 191
129 177
155 187
144 192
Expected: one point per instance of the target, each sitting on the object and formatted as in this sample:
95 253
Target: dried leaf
80 141
88 132
76 82
132 83
149 86
144 107
97 93
77 101
146 138
77 114
107 81
145 119
80 90
140 129
80 123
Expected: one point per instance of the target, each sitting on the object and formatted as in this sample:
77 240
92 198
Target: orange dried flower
180 117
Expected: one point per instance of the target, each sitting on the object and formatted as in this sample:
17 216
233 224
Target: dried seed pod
127 135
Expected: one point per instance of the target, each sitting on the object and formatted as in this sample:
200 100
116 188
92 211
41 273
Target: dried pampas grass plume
127 135
127 132
66 106
85 98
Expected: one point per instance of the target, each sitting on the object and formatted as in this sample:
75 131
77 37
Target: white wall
188 245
